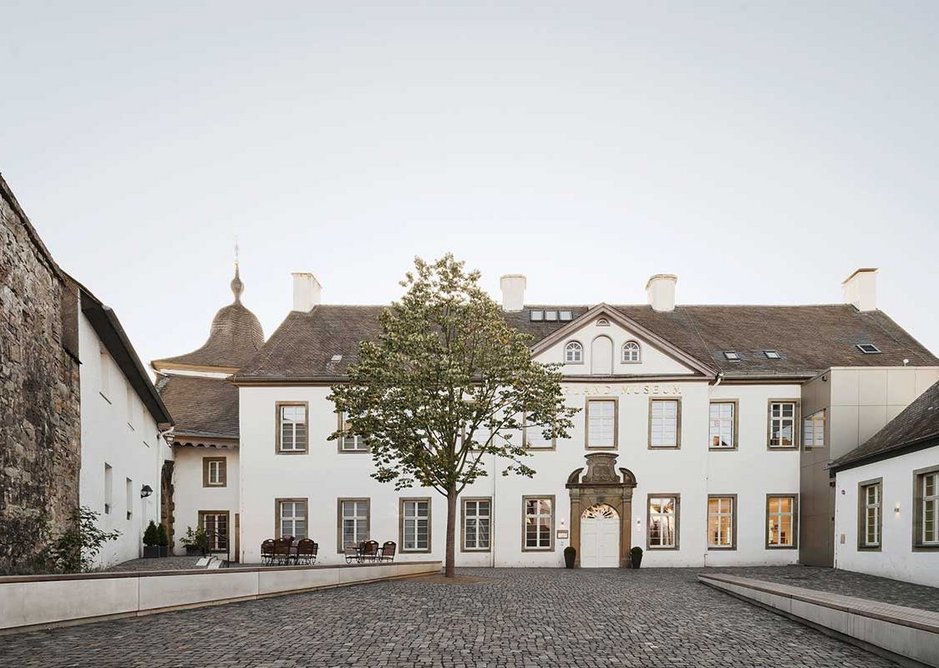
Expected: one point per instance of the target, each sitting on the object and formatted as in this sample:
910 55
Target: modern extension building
887 498
703 435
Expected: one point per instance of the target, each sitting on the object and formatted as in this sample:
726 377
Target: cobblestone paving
843 582
517 618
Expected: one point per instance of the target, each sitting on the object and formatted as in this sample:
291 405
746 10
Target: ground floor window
870 514
415 525
926 508
722 522
477 521
781 520
538 523
215 525
663 521
353 522
291 517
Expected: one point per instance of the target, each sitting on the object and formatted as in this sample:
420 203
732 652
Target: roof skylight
732 355
772 354
565 315
868 348
536 316
551 316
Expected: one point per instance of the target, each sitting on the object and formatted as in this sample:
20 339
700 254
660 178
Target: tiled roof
201 406
809 339
917 424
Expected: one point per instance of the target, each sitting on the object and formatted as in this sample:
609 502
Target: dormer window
868 348
573 353
603 322
551 316
732 355
537 316
565 316
631 353
772 354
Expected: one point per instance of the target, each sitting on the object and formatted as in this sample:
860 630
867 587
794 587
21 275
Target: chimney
513 292
306 291
860 289
661 292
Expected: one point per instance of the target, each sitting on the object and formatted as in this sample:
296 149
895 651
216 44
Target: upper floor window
214 473
350 442
292 427
723 425
601 356
631 352
533 436
601 423
813 430
573 353
926 509
664 418
782 424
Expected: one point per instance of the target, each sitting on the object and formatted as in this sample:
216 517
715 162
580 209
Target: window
350 442
291 517
129 497
782 424
538 522
601 423
415 525
870 514
926 508
573 353
536 316
868 348
664 416
722 522
813 430
214 472
663 522
292 428
565 316
772 354
551 316
731 355
781 521
603 322
477 521
723 425
533 437
353 522
215 524
108 491
631 352
601 356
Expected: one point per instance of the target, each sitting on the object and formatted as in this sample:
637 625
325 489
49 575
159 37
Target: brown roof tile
201 406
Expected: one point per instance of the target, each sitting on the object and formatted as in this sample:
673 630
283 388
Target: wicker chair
387 551
267 552
282 549
351 553
307 550
370 550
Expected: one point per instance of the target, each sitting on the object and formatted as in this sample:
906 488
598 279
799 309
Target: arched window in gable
573 353
601 356
631 353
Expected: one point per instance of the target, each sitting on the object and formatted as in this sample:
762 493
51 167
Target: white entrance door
599 537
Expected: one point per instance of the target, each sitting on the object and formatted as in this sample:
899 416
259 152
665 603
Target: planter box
152 552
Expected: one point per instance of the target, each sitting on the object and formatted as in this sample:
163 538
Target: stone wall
40 426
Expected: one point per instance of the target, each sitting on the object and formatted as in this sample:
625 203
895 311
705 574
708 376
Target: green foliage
163 540
448 382
75 549
197 540
570 550
636 550
151 535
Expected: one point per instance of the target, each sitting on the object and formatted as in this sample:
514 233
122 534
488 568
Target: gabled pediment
604 342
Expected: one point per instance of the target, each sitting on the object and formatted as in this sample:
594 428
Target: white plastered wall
190 495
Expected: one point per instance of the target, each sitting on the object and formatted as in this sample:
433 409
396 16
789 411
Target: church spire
237 287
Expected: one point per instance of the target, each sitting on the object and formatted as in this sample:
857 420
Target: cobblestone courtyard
503 617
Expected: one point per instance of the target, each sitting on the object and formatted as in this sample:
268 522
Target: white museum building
703 434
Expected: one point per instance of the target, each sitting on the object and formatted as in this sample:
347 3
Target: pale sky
760 150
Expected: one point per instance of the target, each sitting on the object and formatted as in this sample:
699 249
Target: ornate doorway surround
601 484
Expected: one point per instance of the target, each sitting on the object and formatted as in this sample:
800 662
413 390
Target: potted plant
635 556
151 541
570 554
195 542
163 540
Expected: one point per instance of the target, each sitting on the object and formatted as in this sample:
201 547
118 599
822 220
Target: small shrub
163 540
75 549
151 537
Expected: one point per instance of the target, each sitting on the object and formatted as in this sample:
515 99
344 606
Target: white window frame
575 347
777 423
216 543
591 414
871 506
415 514
929 504
473 520
537 516
215 468
632 353
293 435
813 430
352 442
722 521
775 520
663 518
720 425
664 428
299 513
355 523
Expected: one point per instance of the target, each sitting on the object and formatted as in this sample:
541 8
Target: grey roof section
914 428
809 339
234 338
201 406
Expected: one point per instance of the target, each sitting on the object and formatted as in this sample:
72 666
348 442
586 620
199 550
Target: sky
762 151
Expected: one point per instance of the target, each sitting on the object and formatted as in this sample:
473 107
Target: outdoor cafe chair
282 549
267 552
306 551
387 551
370 550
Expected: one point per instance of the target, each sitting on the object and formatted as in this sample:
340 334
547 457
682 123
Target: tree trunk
450 565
